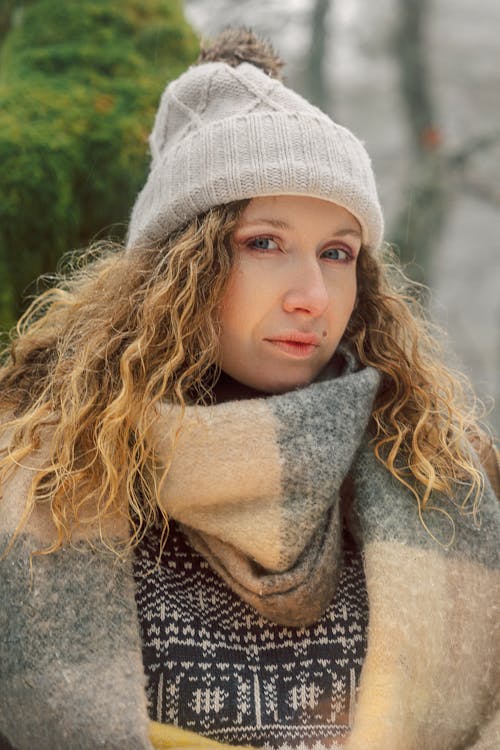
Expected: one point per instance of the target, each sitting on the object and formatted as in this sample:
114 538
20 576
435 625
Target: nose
306 291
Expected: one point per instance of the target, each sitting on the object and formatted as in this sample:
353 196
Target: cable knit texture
255 483
223 134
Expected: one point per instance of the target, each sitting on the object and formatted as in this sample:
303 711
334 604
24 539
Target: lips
296 337
296 343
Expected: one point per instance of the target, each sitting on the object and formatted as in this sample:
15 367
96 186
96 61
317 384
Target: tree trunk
421 220
316 85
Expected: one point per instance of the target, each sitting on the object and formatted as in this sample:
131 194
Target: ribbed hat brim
264 153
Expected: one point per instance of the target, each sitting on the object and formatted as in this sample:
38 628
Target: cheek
350 306
343 298
236 307
353 296
247 300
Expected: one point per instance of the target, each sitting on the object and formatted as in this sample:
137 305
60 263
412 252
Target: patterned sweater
216 667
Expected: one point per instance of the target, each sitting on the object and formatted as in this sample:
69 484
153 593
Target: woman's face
291 291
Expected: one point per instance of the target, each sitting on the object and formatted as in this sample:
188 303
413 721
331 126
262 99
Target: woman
244 412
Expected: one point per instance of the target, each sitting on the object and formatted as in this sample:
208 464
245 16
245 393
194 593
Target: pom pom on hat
234 46
228 129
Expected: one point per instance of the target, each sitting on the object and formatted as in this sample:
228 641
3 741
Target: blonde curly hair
125 330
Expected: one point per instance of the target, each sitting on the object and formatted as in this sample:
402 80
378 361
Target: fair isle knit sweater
217 667
257 485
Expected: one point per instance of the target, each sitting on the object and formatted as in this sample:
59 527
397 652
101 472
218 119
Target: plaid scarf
257 484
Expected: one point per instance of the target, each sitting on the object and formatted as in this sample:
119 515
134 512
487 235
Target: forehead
299 211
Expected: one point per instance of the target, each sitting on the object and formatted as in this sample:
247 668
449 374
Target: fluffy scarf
262 487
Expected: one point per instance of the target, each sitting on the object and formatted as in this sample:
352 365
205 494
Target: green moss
79 85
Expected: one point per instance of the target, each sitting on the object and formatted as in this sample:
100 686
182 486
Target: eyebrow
280 224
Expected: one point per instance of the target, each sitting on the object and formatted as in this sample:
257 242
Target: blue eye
336 253
263 243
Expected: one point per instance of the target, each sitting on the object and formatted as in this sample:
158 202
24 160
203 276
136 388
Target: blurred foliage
79 84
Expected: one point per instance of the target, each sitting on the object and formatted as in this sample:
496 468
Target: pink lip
296 343
296 337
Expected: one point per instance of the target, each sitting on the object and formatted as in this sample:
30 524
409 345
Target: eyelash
250 245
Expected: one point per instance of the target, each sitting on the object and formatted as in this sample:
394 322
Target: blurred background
417 80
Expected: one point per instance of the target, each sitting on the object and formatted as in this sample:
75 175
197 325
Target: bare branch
481 190
475 145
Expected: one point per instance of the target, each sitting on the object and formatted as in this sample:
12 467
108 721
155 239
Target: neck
229 389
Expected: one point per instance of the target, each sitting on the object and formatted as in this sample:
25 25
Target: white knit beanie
225 133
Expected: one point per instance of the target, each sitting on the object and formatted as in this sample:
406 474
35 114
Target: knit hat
226 130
